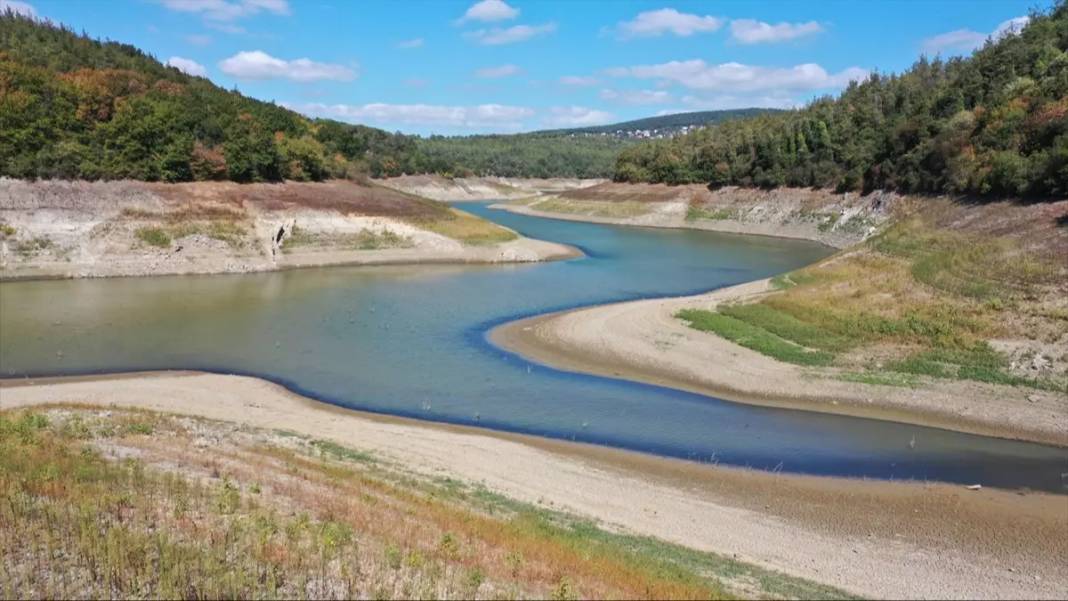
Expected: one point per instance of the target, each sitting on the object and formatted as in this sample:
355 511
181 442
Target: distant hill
663 124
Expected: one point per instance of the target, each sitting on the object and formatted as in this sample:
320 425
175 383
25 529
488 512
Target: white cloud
198 39
1011 27
578 81
749 31
665 20
576 116
478 116
412 43
489 11
735 77
187 66
636 97
966 40
722 102
260 65
228 10
516 33
496 72
18 7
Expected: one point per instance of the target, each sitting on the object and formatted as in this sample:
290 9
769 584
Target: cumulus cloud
736 77
187 66
578 81
667 20
510 35
722 102
228 10
636 97
18 7
489 11
412 43
497 72
576 116
260 65
749 31
478 116
966 40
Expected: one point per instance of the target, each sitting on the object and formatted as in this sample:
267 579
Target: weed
154 236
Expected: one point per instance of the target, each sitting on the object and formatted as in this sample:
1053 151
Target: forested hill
74 107
666 124
993 124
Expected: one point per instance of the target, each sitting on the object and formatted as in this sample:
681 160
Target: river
411 341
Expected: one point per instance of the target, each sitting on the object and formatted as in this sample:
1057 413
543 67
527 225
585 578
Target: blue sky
462 67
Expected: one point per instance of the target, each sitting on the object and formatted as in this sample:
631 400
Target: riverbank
461 189
837 220
645 341
872 538
947 313
59 229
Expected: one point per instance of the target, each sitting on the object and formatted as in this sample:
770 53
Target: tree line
992 124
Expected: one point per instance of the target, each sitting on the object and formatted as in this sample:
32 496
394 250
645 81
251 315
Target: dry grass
594 208
138 504
467 228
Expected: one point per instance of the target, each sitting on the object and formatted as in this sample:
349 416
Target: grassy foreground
915 301
109 503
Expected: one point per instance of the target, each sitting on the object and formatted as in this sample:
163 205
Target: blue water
410 340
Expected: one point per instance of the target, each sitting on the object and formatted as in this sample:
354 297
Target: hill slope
663 124
74 107
995 123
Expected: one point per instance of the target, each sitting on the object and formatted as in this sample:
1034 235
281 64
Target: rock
1032 398
974 487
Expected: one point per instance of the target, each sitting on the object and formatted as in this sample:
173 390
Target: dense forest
75 107
992 124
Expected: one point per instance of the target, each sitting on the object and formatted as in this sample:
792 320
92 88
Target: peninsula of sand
890 540
70 229
1014 303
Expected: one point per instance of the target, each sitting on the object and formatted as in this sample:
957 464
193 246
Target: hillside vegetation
672 122
993 124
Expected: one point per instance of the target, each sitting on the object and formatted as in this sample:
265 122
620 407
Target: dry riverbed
872 538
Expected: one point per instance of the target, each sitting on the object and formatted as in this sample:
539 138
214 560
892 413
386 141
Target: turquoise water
410 340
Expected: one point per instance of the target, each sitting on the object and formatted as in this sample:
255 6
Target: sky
466 67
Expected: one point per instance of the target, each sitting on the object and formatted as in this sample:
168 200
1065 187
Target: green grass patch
787 326
754 338
695 213
153 236
880 378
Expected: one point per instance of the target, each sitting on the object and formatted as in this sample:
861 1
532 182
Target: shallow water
410 340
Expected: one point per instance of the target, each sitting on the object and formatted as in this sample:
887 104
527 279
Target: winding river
410 341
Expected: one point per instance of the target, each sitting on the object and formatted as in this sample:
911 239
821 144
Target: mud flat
873 538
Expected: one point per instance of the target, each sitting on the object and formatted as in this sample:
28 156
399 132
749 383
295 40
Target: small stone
974 487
